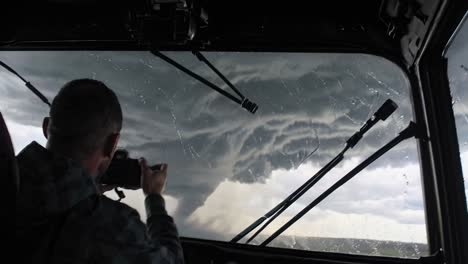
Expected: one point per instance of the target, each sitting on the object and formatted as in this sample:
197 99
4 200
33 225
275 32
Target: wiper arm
381 114
243 101
213 68
408 132
28 84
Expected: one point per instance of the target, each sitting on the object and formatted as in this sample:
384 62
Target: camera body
123 171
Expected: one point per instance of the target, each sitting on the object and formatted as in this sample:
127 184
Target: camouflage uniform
60 218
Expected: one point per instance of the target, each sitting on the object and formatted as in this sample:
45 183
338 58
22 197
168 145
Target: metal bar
266 224
28 84
290 199
428 183
196 76
200 56
408 132
382 113
445 195
303 189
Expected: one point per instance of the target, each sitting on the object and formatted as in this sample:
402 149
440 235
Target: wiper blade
28 84
242 101
408 132
381 114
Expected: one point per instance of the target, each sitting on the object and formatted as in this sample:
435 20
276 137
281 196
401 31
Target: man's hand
152 181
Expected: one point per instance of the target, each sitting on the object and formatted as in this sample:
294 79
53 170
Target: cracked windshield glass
228 167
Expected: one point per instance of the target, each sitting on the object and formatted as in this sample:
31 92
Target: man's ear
45 125
111 144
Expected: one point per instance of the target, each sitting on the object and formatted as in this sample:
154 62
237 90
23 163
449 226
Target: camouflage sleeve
162 229
134 242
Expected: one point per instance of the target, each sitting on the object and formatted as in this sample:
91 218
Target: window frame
445 199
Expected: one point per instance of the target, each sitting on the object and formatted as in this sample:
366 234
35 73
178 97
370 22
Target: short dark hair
82 115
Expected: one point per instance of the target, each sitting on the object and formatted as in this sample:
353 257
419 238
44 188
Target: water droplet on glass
416 248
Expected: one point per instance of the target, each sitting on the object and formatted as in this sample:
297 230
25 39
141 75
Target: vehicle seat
8 166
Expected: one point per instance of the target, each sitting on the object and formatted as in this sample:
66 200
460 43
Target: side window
457 55
22 110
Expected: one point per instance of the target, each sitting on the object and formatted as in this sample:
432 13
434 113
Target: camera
124 171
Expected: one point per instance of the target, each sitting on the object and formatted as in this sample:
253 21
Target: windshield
227 167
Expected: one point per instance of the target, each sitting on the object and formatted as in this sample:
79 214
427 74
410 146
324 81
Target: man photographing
61 216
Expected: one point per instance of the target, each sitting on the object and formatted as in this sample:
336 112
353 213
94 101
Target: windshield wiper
408 132
381 114
242 101
28 84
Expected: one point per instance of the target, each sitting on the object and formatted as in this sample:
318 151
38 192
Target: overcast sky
227 167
